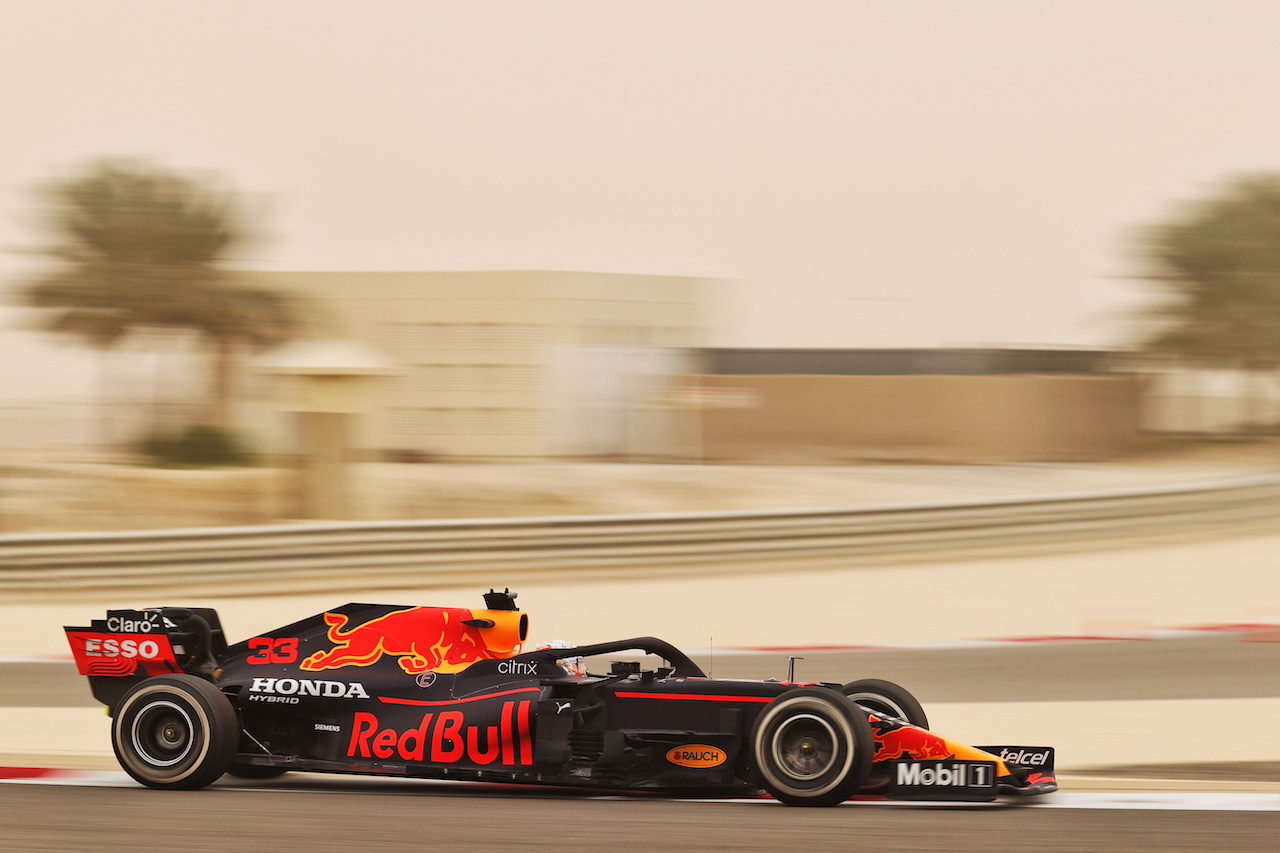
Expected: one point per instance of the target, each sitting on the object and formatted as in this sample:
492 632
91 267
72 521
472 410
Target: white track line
1134 800
1164 801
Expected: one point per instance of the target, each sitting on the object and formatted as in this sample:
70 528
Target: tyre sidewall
201 715
878 694
827 711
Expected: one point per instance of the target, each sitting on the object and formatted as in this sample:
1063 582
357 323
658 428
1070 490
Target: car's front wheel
812 747
175 731
880 696
884 698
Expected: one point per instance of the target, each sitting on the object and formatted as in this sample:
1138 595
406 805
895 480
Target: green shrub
196 447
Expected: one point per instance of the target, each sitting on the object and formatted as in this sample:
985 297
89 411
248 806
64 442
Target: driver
574 665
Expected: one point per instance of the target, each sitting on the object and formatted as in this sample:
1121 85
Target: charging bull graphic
437 639
895 741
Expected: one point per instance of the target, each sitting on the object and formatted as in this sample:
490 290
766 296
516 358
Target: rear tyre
884 697
812 747
175 731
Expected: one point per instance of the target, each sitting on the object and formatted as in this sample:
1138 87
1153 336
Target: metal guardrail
369 555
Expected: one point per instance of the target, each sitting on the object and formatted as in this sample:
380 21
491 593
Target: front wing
923 765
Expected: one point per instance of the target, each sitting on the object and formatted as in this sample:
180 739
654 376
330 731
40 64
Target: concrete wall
606 401
483 352
1185 400
816 419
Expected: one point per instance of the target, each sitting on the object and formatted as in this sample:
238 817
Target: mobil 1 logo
945 779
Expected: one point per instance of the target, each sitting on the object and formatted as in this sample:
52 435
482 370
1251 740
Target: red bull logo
424 639
909 742
446 737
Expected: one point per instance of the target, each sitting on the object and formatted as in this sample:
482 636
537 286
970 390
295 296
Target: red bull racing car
448 693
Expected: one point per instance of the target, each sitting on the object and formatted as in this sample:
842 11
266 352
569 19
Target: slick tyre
884 697
175 731
812 747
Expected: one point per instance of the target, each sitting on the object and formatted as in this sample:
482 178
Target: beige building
966 419
538 365
516 364
943 405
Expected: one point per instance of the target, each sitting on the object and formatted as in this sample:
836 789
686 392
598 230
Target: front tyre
884 698
175 731
812 747
879 696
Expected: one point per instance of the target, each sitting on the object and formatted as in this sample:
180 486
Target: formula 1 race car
446 693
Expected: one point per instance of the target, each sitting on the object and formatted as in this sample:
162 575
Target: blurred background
328 263
764 235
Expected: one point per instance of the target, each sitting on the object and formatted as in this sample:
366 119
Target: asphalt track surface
359 815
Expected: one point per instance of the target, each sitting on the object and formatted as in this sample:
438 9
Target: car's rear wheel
175 731
812 747
884 697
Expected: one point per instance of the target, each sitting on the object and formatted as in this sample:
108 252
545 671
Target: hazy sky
887 173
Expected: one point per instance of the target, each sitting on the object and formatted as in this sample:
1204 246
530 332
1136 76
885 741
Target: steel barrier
233 561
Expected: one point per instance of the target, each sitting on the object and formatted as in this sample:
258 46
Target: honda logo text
287 690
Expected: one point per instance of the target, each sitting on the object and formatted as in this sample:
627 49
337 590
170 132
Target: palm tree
1218 261
139 247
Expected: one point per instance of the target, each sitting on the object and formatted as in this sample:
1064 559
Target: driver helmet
574 665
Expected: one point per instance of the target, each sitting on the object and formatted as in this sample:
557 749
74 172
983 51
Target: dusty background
42 495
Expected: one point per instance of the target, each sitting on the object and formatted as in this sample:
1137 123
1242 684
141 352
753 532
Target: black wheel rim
805 747
163 734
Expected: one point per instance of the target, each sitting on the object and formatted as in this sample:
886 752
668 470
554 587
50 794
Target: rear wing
129 645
